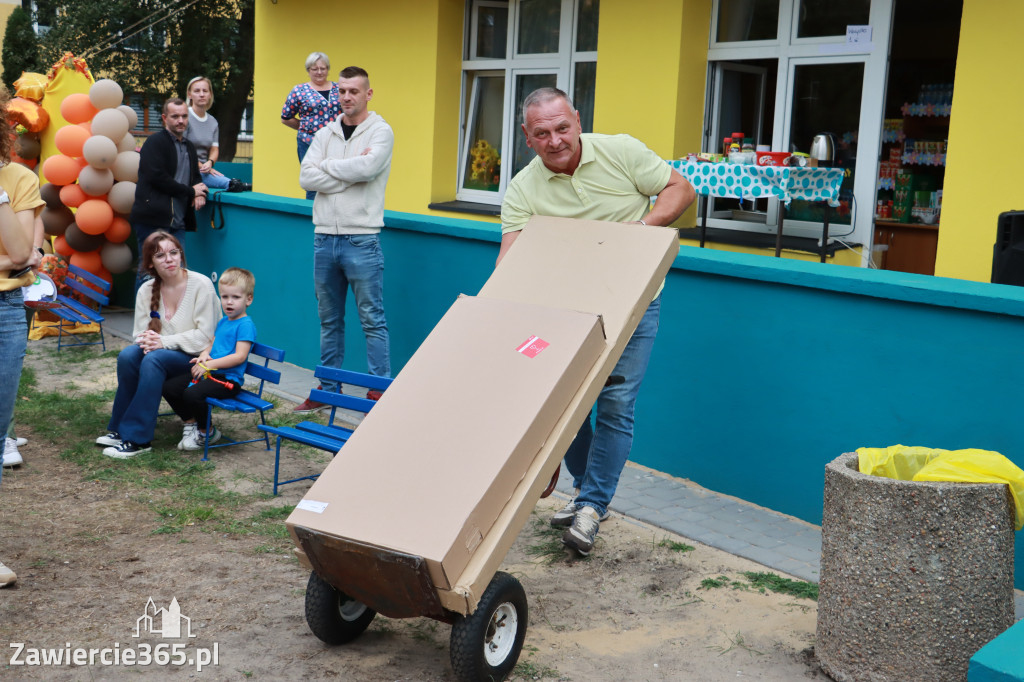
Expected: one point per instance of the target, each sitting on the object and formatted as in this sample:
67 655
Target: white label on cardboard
532 347
312 505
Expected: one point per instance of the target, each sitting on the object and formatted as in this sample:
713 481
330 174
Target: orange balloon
87 260
60 245
103 273
61 170
119 230
76 108
94 216
87 126
69 139
72 196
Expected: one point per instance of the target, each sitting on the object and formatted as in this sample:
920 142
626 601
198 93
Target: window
512 48
782 72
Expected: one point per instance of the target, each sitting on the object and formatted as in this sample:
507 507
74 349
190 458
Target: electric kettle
823 148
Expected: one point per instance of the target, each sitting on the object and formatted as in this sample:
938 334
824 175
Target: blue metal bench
75 312
330 436
249 401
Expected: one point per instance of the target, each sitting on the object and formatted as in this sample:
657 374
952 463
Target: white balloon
99 151
105 94
122 196
126 167
129 113
95 181
110 123
127 143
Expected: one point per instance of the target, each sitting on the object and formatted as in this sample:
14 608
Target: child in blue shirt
219 371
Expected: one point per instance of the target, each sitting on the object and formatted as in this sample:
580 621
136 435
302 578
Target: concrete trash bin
915 576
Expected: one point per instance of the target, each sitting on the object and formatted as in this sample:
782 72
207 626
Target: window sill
465 207
758 240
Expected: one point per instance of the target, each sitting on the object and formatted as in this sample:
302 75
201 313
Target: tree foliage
153 48
21 49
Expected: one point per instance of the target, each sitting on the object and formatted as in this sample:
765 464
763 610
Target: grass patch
547 543
721 581
181 491
776 583
673 546
736 642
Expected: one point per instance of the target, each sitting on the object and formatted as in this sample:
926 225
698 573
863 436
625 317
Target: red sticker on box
532 346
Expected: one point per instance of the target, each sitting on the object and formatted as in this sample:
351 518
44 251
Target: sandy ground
89 558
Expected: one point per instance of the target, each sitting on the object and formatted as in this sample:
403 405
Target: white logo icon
164 622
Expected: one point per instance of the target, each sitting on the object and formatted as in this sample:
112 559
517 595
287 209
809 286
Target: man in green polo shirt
594 177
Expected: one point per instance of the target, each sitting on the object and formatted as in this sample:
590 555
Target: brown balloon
56 220
80 241
50 193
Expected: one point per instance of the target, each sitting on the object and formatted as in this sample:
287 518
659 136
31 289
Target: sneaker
583 531
565 515
7 576
203 438
308 406
113 439
126 449
20 441
12 457
374 394
188 437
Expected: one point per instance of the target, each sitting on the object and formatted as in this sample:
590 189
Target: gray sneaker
212 437
582 534
564 516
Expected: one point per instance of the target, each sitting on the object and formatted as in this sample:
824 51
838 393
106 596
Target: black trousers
188 400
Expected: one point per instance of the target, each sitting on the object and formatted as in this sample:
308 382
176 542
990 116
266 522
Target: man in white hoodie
347 165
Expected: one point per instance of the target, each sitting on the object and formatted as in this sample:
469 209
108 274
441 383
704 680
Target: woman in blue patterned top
316 104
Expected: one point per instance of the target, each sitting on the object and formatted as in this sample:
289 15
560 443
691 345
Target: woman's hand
206 166
149 340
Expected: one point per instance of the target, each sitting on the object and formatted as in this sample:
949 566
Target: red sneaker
374 394
307 406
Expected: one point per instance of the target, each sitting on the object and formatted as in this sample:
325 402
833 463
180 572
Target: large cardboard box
465 440
432 465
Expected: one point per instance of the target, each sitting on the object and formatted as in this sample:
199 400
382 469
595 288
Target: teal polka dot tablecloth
747 181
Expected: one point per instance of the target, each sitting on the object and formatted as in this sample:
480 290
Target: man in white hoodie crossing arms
347 165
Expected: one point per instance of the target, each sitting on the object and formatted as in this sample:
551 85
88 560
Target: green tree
153 48
21 50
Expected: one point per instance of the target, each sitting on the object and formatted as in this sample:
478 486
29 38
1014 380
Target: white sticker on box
312 505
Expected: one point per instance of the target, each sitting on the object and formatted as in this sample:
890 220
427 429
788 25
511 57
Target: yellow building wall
984 174
5 13
413 58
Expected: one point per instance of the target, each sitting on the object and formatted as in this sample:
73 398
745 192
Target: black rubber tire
481 648
332 615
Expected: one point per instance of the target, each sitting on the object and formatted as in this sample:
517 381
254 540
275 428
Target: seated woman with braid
176 314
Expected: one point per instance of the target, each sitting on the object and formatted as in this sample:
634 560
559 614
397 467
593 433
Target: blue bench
332 435
75 312
249 401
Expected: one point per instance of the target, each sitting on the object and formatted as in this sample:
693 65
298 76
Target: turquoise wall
764 370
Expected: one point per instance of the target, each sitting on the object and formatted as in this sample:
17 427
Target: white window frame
818 50
561 63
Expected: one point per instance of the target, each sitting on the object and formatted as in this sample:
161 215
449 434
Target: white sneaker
7 576
21 441
188 437
12 457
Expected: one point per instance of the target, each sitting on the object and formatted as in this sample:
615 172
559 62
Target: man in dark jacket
169 189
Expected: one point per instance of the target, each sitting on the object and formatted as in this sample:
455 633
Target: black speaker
1008 254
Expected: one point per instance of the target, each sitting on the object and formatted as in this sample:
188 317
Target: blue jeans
140 379
356 260
596 457
302 148
13 340
215 181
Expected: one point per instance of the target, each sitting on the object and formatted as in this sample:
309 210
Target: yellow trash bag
927 464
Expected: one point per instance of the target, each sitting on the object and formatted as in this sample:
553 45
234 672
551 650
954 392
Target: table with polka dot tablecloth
747 181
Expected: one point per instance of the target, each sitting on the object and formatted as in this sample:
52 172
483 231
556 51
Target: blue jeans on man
597 455
140 381
355 260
